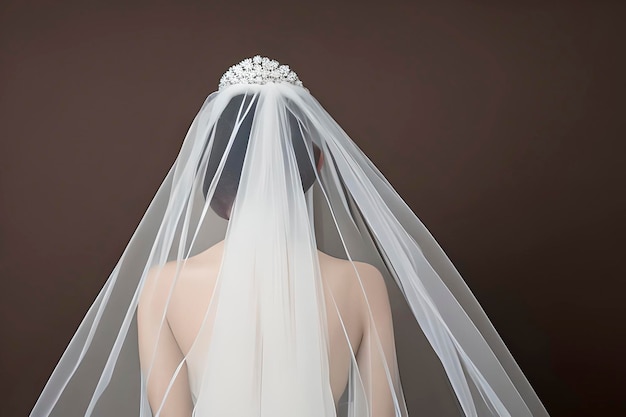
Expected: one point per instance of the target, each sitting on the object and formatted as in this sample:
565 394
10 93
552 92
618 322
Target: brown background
501 123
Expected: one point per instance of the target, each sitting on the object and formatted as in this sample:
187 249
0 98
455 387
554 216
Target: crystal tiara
259 70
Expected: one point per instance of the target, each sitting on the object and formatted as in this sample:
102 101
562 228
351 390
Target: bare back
357 305
195 285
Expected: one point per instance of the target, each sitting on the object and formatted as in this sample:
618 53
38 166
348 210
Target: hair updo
228 183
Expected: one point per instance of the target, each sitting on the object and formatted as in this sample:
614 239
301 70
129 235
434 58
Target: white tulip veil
263 340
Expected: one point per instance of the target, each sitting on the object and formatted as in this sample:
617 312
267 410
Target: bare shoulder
365 280
373 288
158 283
370 276
161 279
374 301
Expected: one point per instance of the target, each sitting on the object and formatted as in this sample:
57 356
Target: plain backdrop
501 123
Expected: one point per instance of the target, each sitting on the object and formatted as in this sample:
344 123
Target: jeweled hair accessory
259 70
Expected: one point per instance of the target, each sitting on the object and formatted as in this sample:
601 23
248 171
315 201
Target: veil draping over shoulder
266 172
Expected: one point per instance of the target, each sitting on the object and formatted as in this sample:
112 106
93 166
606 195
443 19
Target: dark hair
228 183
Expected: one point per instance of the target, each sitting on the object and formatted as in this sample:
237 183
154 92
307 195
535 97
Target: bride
257 282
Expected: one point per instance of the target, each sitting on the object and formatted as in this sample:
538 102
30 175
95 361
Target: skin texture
363 305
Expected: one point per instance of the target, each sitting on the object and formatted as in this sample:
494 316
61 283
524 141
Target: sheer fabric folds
274 335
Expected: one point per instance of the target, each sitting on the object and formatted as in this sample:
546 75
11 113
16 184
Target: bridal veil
265 351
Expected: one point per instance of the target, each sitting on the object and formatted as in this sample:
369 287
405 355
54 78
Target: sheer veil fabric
262 345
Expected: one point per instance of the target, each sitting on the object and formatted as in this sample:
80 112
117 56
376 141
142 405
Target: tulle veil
262 345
